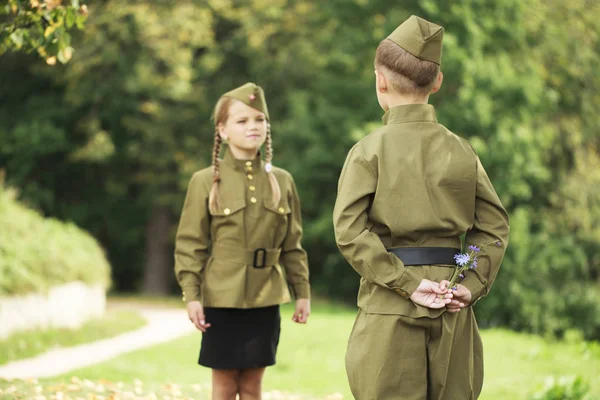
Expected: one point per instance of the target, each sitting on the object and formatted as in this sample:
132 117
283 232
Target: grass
311 365
28 344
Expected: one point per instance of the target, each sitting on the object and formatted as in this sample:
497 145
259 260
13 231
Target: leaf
17 38
70 18
65 55
50 30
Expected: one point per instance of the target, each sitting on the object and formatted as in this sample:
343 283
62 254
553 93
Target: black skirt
240 338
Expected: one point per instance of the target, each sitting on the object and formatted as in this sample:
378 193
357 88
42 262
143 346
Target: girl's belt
425 255
258 258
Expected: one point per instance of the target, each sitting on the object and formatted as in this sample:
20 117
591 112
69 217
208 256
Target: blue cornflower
461 259
498 243
474 248
461 275
473 264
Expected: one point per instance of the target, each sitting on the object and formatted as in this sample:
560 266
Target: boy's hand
196 315
462 297
427 295
302 311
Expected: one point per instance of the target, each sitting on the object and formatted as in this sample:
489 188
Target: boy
406 194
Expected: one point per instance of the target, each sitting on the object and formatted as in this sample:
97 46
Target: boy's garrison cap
421 38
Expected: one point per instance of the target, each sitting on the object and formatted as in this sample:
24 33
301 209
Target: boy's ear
381 81
438 83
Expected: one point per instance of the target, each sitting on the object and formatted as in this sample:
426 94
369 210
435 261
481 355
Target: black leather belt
425 255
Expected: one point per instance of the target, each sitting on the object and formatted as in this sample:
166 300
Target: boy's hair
407 74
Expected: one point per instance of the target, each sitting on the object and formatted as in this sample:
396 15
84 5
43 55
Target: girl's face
245 129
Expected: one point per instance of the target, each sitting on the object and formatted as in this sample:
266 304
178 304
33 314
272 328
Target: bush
37 253
544 285
564 388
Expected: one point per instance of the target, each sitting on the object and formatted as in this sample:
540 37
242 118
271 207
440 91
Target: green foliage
117 132
564 388
28 344
41 26
37 253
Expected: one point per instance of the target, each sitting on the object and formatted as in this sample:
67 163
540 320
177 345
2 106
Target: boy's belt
258 258
425 255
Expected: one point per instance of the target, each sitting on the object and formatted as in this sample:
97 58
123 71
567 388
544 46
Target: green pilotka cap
251 95
421 38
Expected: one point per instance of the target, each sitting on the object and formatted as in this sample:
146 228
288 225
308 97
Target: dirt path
164 324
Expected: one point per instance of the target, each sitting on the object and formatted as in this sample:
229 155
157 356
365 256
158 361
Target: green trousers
393 357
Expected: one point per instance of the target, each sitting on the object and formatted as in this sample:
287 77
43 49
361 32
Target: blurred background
106 139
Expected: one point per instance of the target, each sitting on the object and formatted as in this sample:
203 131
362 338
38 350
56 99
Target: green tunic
215 252
413 183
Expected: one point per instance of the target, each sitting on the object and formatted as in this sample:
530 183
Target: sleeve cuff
406 285
301 291
191 293
477 289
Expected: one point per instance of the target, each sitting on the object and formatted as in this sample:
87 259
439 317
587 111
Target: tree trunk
158 265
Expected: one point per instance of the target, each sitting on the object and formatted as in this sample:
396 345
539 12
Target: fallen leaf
196 387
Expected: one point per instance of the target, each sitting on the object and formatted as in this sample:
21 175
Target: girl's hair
220 117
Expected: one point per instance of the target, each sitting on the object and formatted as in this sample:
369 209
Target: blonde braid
214 199
275 189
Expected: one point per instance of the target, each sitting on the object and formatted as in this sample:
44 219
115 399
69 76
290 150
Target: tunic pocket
229 208
227 223
278 216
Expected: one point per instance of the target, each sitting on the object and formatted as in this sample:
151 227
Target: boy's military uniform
414 185
233 258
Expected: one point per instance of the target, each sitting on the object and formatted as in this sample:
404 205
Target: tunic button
249 169
281 210
248 163
227 211
252 188
250 177
253 199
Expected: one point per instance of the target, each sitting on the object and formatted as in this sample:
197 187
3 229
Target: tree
41 26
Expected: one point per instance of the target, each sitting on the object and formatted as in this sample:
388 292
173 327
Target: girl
241 222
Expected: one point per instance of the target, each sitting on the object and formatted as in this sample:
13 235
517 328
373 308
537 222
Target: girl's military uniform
415 184
241 260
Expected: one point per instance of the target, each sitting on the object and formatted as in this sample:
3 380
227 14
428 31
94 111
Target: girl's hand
302 311
196 315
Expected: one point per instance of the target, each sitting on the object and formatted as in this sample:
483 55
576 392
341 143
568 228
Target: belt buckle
256 255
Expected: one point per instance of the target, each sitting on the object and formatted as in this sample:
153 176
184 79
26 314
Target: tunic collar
253 165
409 113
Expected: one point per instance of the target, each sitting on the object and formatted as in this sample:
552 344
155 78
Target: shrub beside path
164 324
